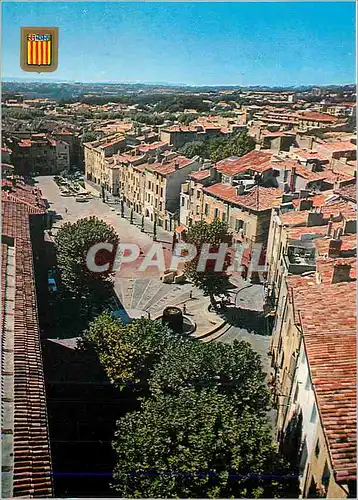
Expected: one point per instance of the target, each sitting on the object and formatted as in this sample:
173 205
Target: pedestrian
184 309
148 315
191 294
66 210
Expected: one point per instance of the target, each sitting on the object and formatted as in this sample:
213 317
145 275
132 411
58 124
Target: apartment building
293 234
41 154
199 130
96 155
313 376
163 182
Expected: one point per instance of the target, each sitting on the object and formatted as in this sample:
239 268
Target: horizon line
19 79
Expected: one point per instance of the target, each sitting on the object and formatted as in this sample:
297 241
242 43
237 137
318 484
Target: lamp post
142 226
122 208
131 217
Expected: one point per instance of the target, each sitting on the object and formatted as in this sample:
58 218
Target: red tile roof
27 195
338 209
338 146
327 315
200 174
348 192
349 243
257 199
143 148
168 167
321 117
256 160
308 155
32 474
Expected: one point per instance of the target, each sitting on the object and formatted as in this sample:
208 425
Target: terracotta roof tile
168 167
327 314
258 198
31 458
256 160
348 192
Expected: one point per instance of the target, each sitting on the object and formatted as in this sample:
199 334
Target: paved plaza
145 294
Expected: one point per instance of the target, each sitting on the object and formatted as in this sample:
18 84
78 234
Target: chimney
213 173
315 219
341 273
240 189
306 204
334 248
339 232
292 179
329 228
176 165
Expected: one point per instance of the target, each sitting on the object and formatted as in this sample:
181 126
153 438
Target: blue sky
197 43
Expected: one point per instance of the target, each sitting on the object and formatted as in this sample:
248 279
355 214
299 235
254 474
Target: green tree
210 281
89 136
191 149
195 445
234 370
186 118
72 242
128 352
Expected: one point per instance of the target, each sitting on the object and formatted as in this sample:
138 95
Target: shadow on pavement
252 321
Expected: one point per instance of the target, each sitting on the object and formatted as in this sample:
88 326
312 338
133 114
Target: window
296 393
317 448
182 202
308 382
206 209
161 192
282 360
198 194
292 364
224 217
238 224
279 347
216 213
313 414
326 476
156 189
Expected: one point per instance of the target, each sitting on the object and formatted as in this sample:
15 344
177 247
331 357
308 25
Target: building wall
284 347
93 163
62 156
173 185
315 469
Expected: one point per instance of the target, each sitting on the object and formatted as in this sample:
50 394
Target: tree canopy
234 370
211 282
128 352
72 242
220 147
195 445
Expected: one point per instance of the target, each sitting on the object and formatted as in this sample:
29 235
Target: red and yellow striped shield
39 49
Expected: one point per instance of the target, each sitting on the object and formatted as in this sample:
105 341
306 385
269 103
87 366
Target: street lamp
142 226
122 208
131 217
